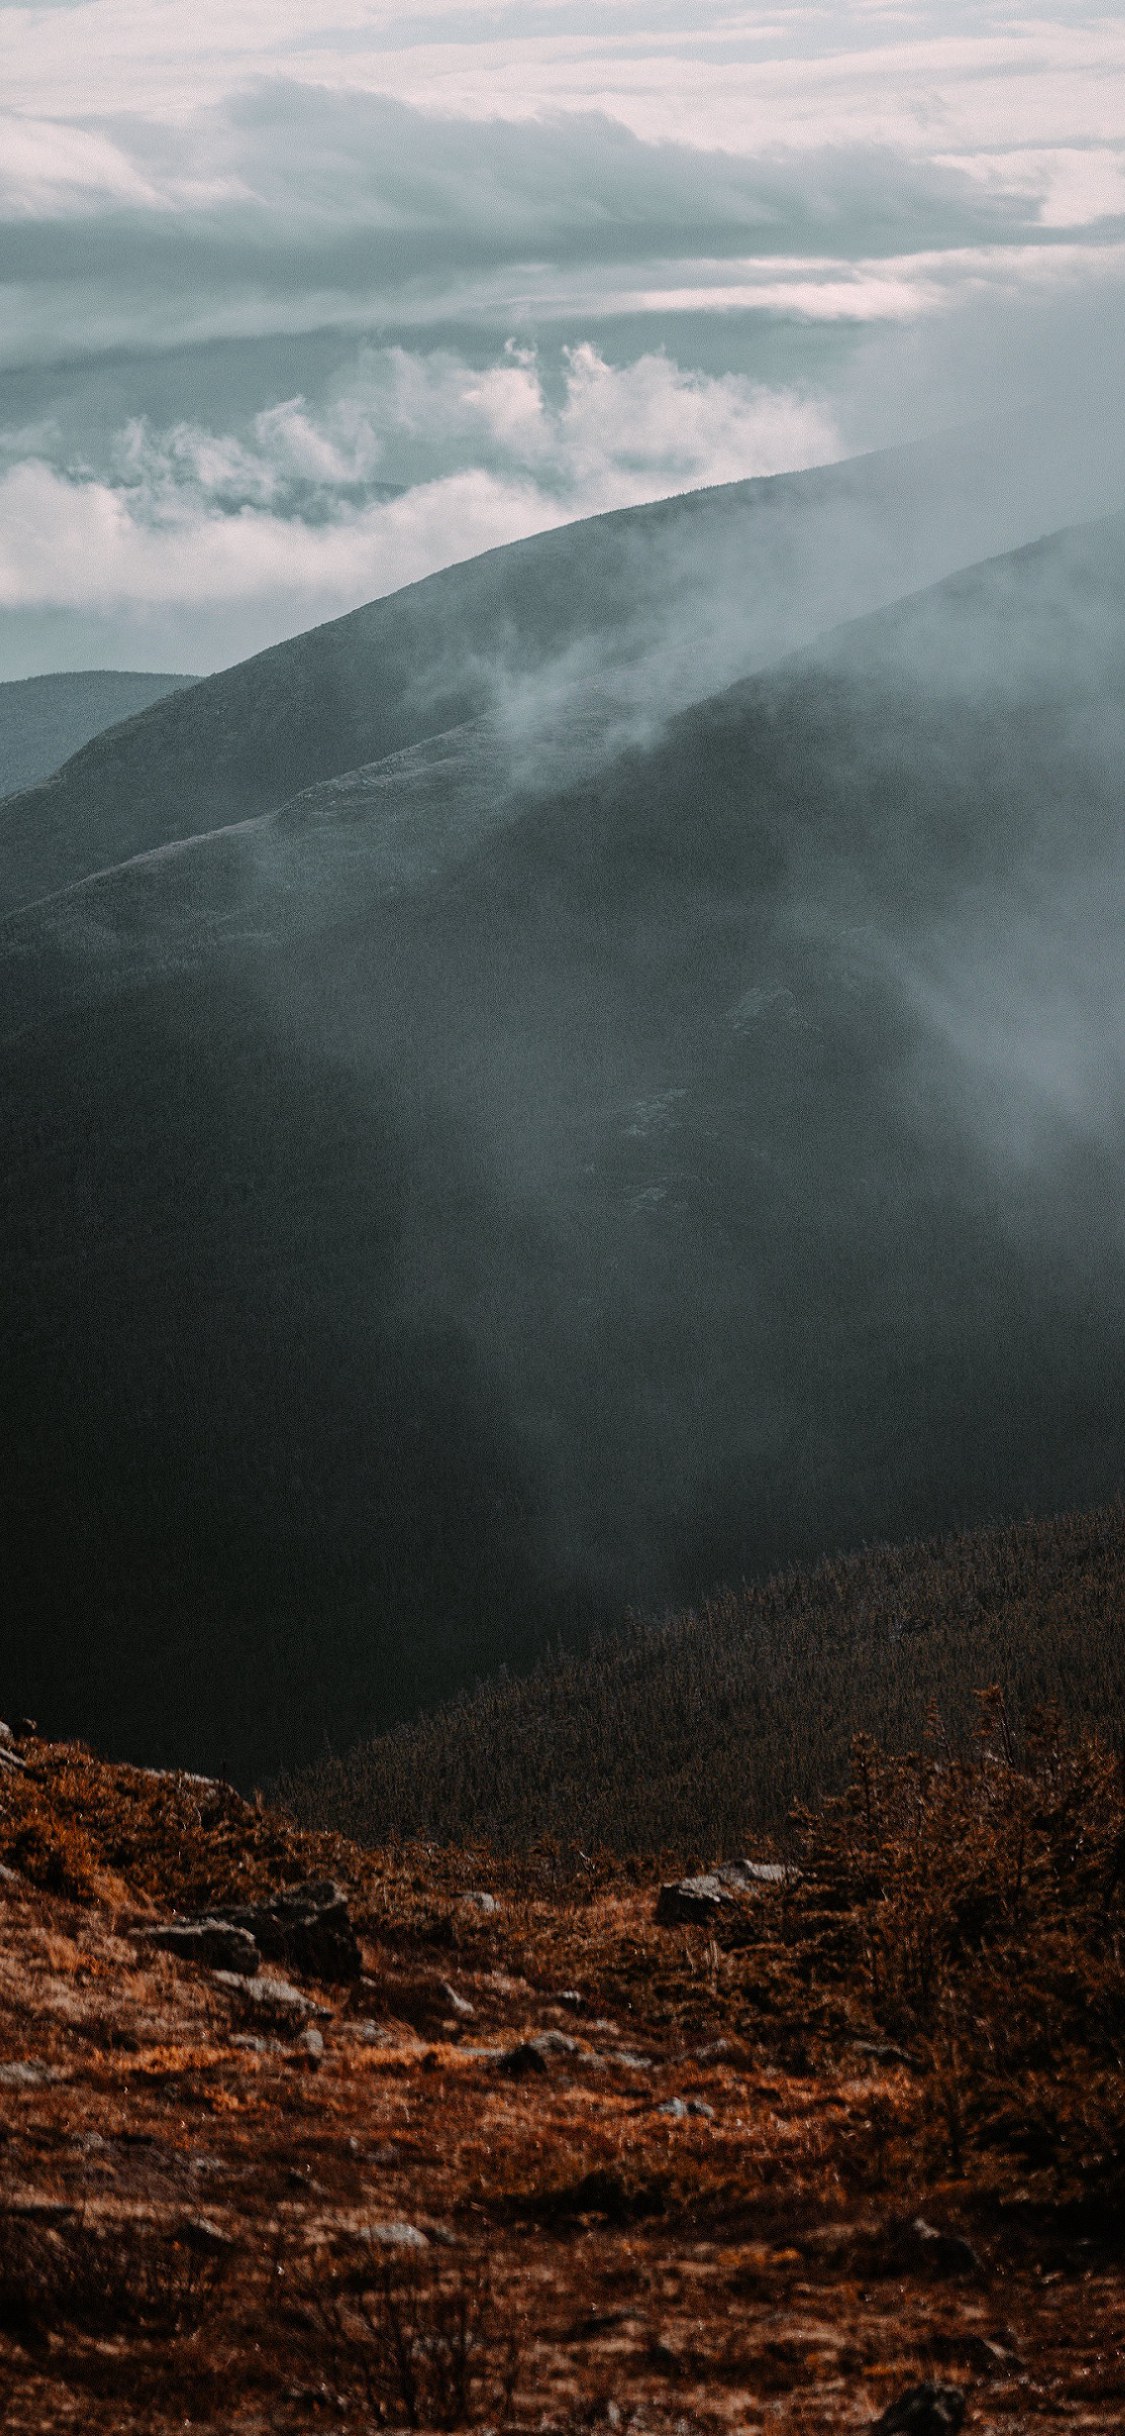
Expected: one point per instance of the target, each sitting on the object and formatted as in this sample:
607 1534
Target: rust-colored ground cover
692 2205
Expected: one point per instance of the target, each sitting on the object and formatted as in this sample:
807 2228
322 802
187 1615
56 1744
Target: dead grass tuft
415 2344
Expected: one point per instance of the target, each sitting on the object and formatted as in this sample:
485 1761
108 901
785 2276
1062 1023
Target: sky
303 299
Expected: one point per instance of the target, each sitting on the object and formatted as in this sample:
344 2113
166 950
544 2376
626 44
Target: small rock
270 1996
926 2410
299 2179
203 2234
458 2005
9 1877
535 2054
311 2044
395 2234
681 2108
701 1898
882 2052
555 2042
217 1945
747 1876
992 2358
689 1900
29 2076
949 2253
519 2062
484 1905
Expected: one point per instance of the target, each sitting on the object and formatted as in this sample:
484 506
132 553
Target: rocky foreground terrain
437 2139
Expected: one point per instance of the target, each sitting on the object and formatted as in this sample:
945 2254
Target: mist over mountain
573 1158
601 629
43 720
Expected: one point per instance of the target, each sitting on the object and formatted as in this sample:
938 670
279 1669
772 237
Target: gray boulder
275 1999
688 1900
477 1902
394 2233
702 1897
536 2054
217 1945
751 1877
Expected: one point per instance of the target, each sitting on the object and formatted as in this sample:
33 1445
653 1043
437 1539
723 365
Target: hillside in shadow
44 720
474 1199
693 1733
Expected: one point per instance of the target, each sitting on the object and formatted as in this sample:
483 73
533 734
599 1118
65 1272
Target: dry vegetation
691 2206
688 1735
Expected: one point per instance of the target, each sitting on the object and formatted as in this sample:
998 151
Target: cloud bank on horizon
301 302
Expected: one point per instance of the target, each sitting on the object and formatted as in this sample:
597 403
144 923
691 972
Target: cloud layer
298 302
423 460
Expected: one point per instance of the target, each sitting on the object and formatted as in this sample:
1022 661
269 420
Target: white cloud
191 516
268 172
939 72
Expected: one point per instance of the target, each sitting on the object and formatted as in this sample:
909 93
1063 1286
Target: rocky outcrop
701 1898
307 1927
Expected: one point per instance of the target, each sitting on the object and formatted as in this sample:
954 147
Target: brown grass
701 2217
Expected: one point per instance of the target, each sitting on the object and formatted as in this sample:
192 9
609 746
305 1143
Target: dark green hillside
449 1212
43 720
695 1733
655 606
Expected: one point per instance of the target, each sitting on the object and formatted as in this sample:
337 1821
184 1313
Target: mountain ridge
479 759
646 602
